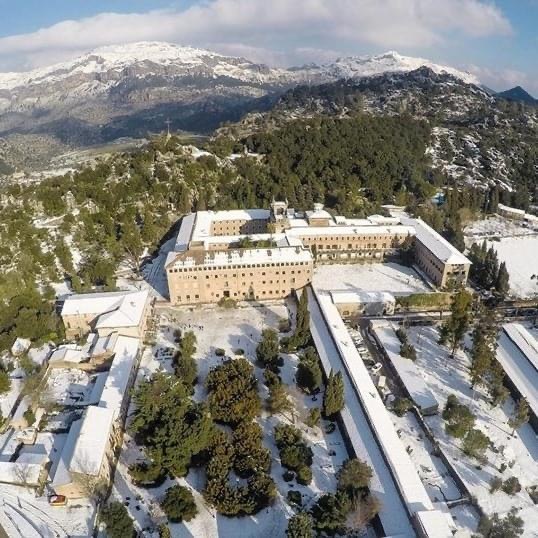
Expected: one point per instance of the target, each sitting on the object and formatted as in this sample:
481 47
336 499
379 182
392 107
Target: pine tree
521 415
184 363
300 526
333 400
455 327
495 384
484 346
268 348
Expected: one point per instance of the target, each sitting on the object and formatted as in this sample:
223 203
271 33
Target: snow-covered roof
407 370
519 363
240 257
204 219
128 313
435 243
185 232
115 386
115 309
85 446
403 471
435 523
68 353
20 473
524 340
393 514
513 210
351 230
319 214
361 297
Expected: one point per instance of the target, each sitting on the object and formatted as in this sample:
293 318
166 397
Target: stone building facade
264 254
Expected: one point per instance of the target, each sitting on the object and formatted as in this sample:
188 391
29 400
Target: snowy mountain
132 90
356 67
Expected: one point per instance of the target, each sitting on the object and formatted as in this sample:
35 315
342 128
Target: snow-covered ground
494 226
229 329
390 277
521 257
67 385
445 375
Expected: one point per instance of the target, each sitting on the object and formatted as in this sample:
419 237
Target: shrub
295 497
401 406
219 352
147 474
29 416
495 484
330 512
227 302
164 531
179 505
401 334
288 475
475 443
300 526
313 418
459 417
408 351
511 486
239 351
117 521
353 476
294 452
304 475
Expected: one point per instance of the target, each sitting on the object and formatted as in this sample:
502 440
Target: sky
495 39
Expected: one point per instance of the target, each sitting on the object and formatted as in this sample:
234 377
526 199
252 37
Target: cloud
294 29
504 79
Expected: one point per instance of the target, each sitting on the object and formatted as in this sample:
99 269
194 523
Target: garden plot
389 277
231 330
444 376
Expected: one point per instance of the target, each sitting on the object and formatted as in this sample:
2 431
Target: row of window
223 268
245 294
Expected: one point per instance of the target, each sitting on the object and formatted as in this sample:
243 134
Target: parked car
376 367
57 500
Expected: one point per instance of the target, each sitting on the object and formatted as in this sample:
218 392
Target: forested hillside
476 139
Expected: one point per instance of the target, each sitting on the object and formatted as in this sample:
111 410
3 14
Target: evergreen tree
354 476
117 521
179 504
268 348
184 363
278 401
495 384
233 392
502 282
330 512
475 443
309 376
521 415
302 329
455 327
484 347
333 400
300 526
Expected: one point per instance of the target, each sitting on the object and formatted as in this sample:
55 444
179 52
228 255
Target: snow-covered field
521 257
445 375
229 329
391 277
494 226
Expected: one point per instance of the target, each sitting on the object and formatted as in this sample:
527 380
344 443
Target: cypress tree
333 400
